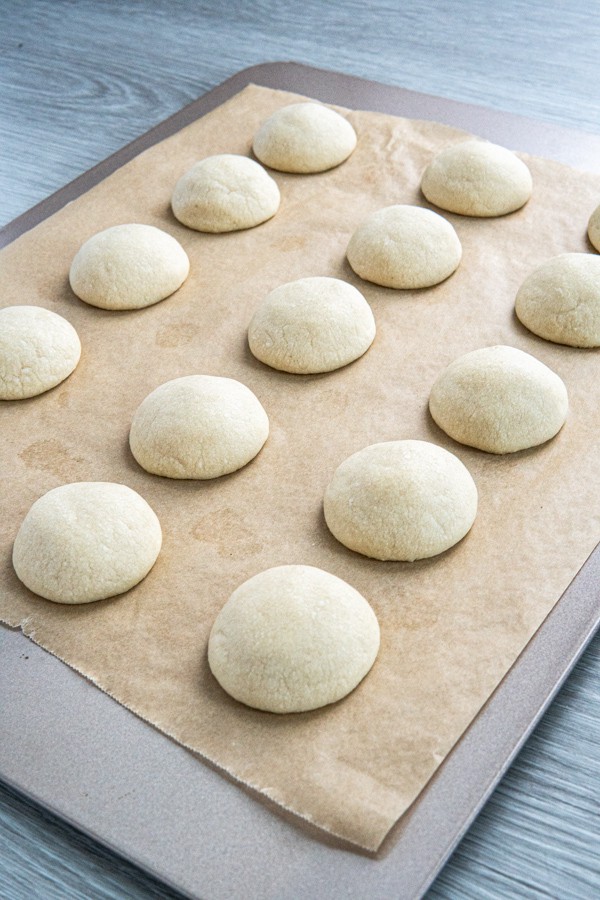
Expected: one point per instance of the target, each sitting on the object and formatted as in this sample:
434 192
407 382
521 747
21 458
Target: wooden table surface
80 78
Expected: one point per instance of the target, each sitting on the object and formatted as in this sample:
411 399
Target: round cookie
291 639
404 247
593 229
560 300
225 193
499 399
38 350
86 541
400 500
304 138
128 267
198 426
311 325
477 178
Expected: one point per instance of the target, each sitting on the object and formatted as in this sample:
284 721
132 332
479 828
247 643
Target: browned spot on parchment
50 456
414 620
227 533
176 334
291 242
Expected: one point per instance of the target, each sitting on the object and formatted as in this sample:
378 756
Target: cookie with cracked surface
499 399
224 193
400 500
404 247
293 638
304 138
477 178
86 541
198 426
38 350
311 325
560 300
128 267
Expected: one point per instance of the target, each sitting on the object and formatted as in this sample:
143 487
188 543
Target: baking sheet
395 110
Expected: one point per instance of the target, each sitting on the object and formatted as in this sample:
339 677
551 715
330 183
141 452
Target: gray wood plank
80 79
77 80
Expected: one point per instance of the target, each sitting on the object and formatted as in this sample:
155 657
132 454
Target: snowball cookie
38 350
311 325
400 500
293 638
128 267
560 300
499 399
86 541
198 426
477 178
594 229
404 247
304 138
225 193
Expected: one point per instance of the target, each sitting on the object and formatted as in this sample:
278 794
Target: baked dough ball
38 350
311 325
304 138
560 300
128 267
404 247
225 193
198 426
594 229
499 399
477 178
293 638
86 541
400 500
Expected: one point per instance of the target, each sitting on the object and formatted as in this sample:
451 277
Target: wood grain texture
78 80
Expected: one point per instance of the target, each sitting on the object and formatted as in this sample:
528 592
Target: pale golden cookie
291 639
314 324
560 300
400 500
38 350
225 193
128 267
86 541
499 399
594 229
198 426
304 138
477 178
404 247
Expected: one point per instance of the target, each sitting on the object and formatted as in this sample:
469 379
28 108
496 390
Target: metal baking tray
73 749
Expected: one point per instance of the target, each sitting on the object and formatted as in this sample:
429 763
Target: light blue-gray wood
80 79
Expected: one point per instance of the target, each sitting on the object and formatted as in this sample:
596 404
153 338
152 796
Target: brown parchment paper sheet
451 626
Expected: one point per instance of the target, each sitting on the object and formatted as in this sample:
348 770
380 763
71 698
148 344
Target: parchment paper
451 626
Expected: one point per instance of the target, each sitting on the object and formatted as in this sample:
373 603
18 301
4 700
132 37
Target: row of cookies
86 541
